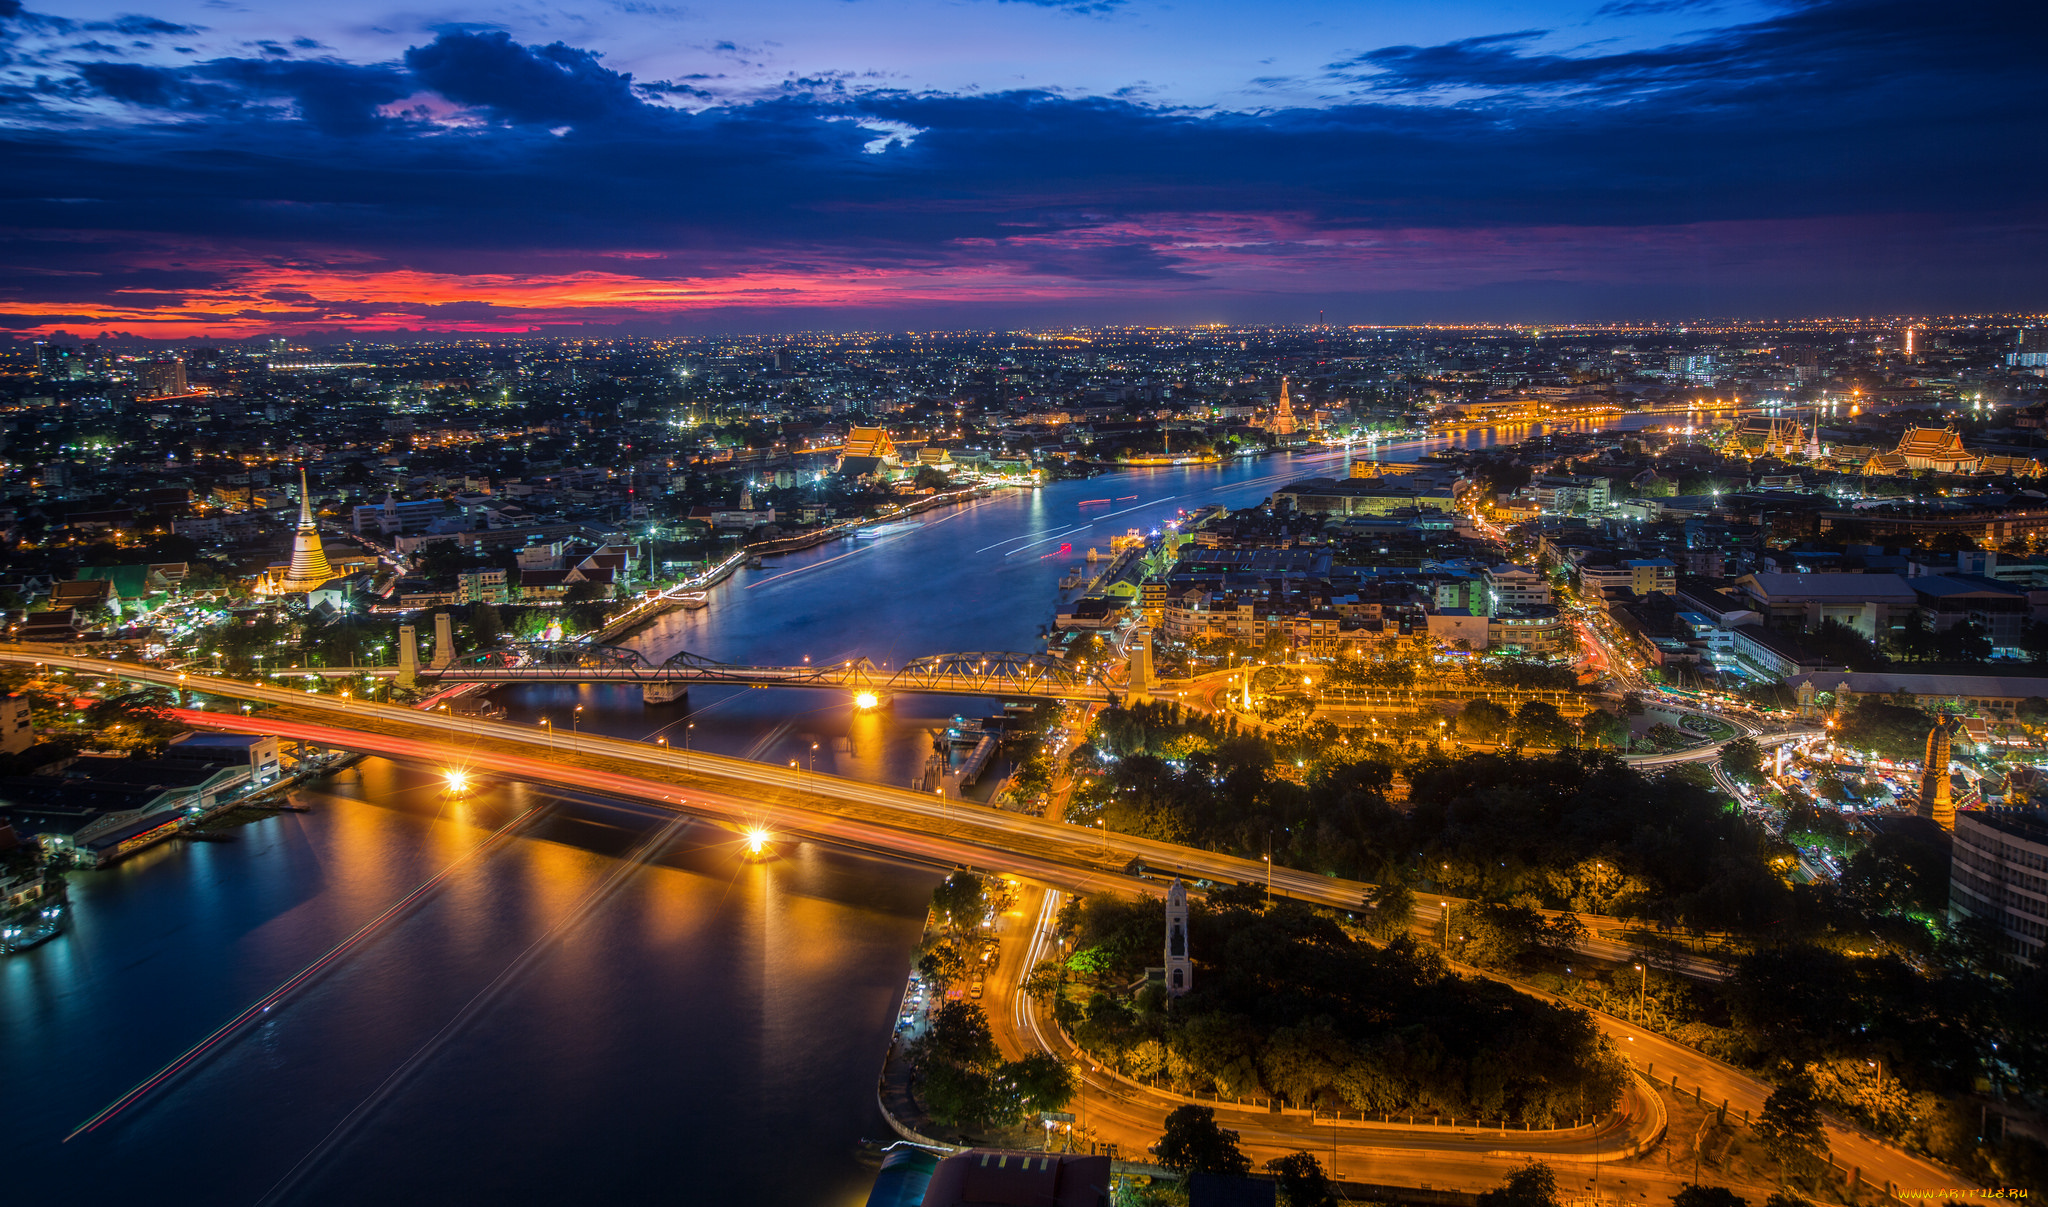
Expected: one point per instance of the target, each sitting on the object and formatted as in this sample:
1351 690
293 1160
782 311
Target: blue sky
1231 55
208 167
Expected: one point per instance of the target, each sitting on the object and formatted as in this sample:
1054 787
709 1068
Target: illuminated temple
308 570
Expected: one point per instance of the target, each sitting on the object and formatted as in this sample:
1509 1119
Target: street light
1642 988
574 718
551 734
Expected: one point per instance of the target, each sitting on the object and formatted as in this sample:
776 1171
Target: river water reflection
707 1032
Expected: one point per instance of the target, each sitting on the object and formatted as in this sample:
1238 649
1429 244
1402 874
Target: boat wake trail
277 996
590 903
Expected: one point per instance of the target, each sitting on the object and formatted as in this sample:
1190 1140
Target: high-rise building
1998 872
162 378
17 727
2029 348
54 360
1700 368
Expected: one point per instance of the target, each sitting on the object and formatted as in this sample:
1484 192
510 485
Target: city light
866 701
458 781
757 842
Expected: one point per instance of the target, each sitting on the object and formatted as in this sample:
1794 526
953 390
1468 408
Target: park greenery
966 1084
1561 831
962 1078
1288 1004
962 905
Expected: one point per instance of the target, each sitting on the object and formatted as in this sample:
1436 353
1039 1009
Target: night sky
206 167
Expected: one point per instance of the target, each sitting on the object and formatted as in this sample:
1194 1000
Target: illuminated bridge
1023 676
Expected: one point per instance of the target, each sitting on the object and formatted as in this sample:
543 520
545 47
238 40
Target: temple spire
309 568
1283 415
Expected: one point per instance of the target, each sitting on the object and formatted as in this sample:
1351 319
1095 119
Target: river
551 1024
982 577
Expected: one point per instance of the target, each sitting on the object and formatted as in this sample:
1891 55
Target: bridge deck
772 676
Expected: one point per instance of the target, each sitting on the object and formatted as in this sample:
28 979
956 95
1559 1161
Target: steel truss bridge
1032 676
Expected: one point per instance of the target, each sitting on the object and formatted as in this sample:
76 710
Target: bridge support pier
1141 680
444 639
664 693
408 657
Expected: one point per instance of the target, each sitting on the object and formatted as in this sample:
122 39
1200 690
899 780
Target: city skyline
648 170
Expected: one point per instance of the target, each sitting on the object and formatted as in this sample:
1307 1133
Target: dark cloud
537 85
1118 262
1083 7
1647 8
23 322
132 26
72 287
336 98
1829 48
136 26
137 84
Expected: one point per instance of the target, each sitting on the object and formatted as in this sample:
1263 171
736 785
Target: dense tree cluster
1287 1004
1892 731
1575 831
966 1083
1563 831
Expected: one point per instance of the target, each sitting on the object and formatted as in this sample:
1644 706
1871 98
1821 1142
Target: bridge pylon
444 639
408 657
664 693
1141 680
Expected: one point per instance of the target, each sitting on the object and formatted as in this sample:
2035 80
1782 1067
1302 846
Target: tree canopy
1286 1004
1193 1142
1893 731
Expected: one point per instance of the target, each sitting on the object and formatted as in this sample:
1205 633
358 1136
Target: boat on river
694 600
29 929
877 531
